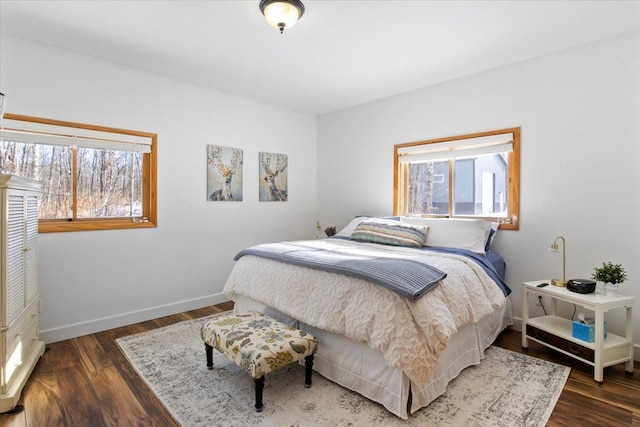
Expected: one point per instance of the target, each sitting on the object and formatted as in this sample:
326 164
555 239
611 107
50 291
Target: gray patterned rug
506 389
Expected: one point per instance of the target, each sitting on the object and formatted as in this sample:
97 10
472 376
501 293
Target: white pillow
469 234
494 227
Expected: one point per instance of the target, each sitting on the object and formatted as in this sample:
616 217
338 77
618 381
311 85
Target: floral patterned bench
258 344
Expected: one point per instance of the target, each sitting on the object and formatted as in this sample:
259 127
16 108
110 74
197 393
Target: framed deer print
273 177
224 173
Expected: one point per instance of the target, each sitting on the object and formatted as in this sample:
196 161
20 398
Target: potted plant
611 274
330 231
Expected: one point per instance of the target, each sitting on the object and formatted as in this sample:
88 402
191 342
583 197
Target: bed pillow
390 234
469 234
349 228
492 235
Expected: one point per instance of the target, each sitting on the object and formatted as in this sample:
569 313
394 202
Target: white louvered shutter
15 255
31 248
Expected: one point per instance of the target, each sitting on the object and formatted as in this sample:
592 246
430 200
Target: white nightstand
556 332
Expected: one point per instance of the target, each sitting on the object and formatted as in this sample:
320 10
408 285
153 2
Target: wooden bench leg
308 369
209 350
259 383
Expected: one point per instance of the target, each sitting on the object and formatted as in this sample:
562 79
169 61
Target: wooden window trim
149 188
400 177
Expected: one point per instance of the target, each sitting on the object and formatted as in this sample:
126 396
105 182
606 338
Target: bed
397 348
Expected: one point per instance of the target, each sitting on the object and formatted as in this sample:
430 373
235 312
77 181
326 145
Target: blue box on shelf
586 332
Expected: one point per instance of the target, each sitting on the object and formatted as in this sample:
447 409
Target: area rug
506 389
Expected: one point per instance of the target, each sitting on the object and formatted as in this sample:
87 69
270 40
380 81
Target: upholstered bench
258 344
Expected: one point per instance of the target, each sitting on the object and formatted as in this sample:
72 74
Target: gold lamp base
554 247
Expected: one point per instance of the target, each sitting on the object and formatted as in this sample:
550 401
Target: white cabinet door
31 248
15 271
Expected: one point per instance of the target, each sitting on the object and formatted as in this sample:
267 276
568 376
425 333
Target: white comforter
410 334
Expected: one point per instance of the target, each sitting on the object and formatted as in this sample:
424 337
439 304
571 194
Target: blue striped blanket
408 278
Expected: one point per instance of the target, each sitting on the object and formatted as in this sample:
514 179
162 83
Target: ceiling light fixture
282 14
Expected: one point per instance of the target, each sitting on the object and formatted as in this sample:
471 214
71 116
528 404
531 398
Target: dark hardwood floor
87 382
584 402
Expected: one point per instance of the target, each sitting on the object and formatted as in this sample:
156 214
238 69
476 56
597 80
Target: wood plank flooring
87 382
584 402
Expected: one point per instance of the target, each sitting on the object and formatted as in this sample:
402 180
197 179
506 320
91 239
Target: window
467 176
93 177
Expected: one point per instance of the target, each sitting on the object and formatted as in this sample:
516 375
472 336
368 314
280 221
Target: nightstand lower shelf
556 332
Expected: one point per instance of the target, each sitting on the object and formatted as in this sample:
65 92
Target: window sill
47 226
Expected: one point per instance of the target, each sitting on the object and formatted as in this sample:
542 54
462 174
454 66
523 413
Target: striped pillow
390 234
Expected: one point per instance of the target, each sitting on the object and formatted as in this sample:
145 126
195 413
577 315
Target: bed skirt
356 366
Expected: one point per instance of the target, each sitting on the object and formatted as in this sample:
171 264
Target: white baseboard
517 325
98 325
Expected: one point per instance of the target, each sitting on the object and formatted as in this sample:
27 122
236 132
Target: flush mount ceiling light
282 14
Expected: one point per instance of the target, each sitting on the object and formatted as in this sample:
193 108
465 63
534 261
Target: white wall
96 280
580 116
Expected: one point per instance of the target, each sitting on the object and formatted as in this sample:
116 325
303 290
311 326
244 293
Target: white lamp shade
279 13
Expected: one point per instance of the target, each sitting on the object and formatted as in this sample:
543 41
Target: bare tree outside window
428 188
109 183
49 164
111 188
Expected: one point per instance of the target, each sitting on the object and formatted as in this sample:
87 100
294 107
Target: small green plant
609 273
330 231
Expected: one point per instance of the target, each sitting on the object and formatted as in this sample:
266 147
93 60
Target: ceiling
340 54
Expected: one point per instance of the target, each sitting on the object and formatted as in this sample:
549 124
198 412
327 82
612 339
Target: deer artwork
225 170
275 194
